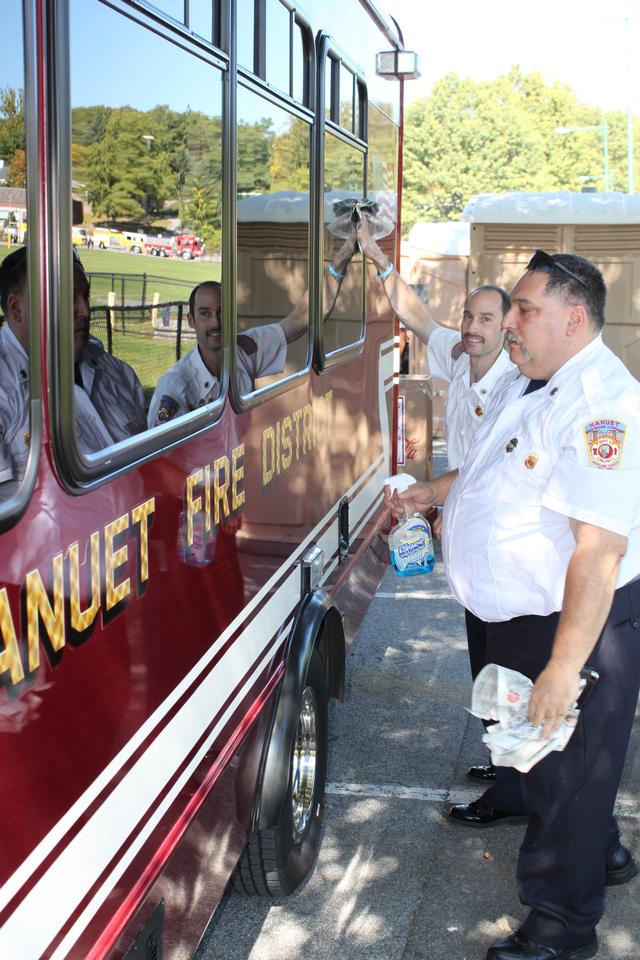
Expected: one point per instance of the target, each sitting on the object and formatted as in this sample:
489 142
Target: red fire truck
175 606
183 245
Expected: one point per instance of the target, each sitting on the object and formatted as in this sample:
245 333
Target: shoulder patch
248 344
605 442
167 409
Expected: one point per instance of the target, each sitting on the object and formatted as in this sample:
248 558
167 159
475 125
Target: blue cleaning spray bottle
410 543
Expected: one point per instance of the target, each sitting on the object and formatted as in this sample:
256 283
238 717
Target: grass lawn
175 277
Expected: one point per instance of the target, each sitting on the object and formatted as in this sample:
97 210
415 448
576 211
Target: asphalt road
395 879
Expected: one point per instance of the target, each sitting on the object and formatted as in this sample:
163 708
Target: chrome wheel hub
303 764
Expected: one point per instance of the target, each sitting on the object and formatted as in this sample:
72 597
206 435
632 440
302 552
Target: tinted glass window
346 98
246 18
382 177
273 240
147 221
343 186
201 18
298 65
174 8
15 393
278 45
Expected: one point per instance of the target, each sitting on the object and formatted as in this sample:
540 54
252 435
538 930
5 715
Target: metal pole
605 130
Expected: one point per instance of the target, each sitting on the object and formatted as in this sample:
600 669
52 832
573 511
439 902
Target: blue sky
584 43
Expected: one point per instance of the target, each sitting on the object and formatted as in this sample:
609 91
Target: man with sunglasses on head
541 539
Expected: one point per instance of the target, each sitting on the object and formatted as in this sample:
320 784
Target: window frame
79 473
14 507
240 76
242 402
329 51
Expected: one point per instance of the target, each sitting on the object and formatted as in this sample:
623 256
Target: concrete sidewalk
396 880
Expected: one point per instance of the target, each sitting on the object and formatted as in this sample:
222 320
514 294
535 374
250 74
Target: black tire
277 860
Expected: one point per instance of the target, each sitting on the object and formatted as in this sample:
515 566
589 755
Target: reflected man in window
194 380
116 394
109 383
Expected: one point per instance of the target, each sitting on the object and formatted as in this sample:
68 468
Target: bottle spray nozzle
400 482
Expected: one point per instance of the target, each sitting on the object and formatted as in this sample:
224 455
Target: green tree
12 135
499 135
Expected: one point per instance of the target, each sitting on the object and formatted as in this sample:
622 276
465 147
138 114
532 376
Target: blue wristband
386 273
334 273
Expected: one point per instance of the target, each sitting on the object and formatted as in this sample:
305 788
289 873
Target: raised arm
404 302
297 322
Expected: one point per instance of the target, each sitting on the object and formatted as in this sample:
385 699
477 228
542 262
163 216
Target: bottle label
411 547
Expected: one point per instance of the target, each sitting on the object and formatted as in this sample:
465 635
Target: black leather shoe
478 814
482 772
519 947
621 867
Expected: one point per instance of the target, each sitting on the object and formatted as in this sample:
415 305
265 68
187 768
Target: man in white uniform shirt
472 360
541 539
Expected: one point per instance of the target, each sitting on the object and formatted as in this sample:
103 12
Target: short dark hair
504 296
13 273
205 283
590 289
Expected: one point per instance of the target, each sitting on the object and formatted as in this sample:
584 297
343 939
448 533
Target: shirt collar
582 358
205 379
13 343
501 365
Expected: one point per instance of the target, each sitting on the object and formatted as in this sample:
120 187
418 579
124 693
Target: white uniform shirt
189 384
15 394
15 428
114 390
467 403
571 449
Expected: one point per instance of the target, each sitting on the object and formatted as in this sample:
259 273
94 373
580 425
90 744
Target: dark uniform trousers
569 796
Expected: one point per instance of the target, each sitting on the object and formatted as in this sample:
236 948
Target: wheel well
318 624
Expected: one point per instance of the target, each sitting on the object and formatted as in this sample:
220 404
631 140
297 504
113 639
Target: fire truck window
382 166
147 213
201 18
174 8
343 298
15 392
298 65
346 98
328 89
246 18
278 45
273 242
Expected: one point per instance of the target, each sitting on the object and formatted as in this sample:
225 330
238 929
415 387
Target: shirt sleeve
271 352
439 347
597 477
166 403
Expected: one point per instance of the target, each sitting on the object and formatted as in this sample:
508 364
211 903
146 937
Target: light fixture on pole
149 138
602 128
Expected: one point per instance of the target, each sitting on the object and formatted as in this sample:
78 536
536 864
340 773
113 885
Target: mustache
511 337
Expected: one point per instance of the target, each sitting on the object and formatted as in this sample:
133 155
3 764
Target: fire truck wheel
277 860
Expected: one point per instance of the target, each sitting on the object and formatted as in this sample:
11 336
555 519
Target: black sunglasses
545 262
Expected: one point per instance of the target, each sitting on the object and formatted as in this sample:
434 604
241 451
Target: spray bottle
410 543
